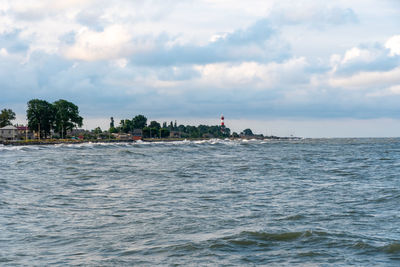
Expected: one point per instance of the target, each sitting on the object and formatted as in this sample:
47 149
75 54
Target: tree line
62 116
154 129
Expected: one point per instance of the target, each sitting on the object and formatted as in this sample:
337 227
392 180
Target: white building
8 133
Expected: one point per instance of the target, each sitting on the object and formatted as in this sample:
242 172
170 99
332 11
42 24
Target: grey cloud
380 61
12 42
92 19
318 18
259 42
101 90
68 39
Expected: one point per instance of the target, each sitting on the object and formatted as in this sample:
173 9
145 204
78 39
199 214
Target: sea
308 202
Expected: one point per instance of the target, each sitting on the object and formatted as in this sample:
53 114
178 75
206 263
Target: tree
112 122
6 116
97 131
126 126
248 132
139 122
41 116
164 132
113 130
146 132
154 124
66 116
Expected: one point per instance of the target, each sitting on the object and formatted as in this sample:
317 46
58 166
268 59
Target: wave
284 236
365 247
89 145
393 248
19 148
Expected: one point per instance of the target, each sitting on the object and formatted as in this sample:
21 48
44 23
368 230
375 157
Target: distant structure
222 124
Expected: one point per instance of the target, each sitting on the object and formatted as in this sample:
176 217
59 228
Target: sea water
311 202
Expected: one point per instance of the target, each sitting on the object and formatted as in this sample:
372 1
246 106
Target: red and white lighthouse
222 121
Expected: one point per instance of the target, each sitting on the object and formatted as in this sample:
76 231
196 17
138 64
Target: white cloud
394 45
112 43
357 54
366 80
3 52
391 91
252 74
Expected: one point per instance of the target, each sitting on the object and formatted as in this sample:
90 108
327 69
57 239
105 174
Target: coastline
68 141
148 140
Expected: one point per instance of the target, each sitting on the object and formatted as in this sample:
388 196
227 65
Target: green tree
112 122
154 124
139 122
164 132
66 116
113 130
41 116
126 126
146 132
6 116
97 130
247 132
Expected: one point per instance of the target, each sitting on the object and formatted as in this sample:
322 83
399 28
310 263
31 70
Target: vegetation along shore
59 122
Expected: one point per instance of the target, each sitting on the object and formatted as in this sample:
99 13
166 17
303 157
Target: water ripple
216 202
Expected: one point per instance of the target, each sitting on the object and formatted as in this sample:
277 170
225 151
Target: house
124 137
137 134
174 134
8 133
208 135
24 133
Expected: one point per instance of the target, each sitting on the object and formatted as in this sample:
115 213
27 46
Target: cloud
112 43
315 14
12 42
258 42
39 10
365 80
364 58
202 57
372 68
253 75
394 45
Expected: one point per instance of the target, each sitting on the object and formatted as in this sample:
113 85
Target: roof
8 127
22 128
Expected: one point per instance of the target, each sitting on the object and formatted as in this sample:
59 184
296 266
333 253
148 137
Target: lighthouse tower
222 121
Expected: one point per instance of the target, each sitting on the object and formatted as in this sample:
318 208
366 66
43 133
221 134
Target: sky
306 68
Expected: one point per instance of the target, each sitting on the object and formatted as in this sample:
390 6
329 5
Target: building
137 134
24 133
8 133
174 134
124 136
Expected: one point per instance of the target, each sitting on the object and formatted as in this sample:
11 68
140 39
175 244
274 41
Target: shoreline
147 140
67 141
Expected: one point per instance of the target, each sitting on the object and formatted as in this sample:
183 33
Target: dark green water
313 202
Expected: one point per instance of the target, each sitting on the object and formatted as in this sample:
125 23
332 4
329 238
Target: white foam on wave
18 148
213 141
